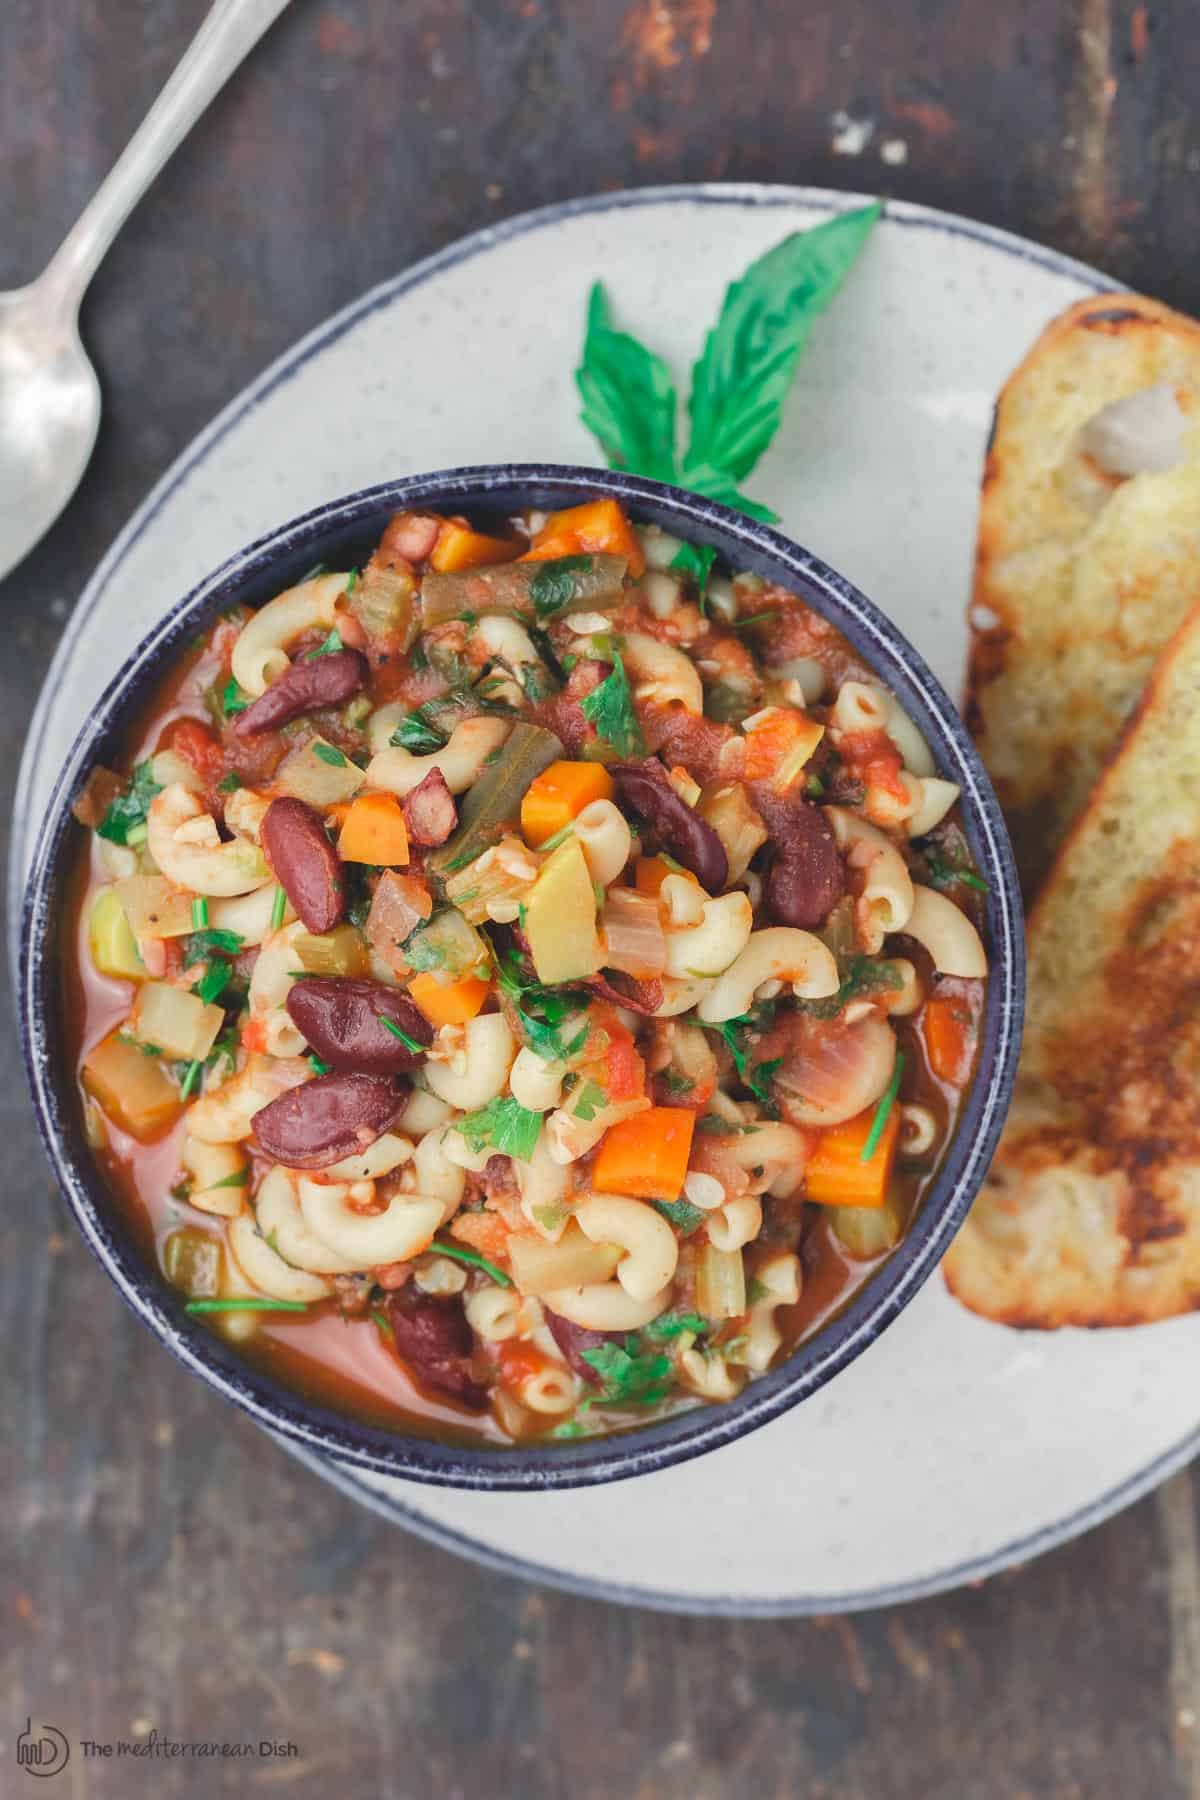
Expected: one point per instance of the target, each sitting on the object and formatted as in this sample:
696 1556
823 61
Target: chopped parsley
882 1111
239 1178
685 1217
329 754
192 1076
219 1306
229 784
332 644
415 733
232 699
510 1128
944 871
553 587
695 561
408 1042
314 1062
675 1324
473 1260
540 1010
609 708
125 819
631 1376
590 1100
762 1073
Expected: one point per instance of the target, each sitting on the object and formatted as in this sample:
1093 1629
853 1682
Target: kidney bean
806 878
573 1340
626 990
325 681
433 1336
321 1121
304 861
343 1021
646 789
429 810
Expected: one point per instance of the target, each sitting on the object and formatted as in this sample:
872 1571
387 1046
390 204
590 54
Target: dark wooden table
163 1565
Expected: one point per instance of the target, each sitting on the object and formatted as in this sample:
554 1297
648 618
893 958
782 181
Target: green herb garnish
218 1306
408 1042
415 733
609 707
278 908
673 1325
473 1259
232 699
696 561
630 1376
685 1217
590 1100
332 643
943 872
741 378
553 587
194 1071
886 1103
384 1324
763 1072
505 1124
239 1178
229 784
329 754
199 913
125 820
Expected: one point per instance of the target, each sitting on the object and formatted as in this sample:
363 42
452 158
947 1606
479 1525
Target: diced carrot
254 1036
599 527
646 1156
374 832
778 745
651 871
458 547
949 1032
559 794
835 1174
448 1003
484 1231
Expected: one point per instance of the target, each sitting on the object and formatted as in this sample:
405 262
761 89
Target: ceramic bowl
341 534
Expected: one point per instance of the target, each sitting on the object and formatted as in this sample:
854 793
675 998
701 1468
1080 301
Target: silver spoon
49 394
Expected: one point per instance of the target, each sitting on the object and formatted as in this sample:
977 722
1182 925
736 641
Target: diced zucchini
337 952
111 940
154 907
192 1263
560 917
131 1088
867 1231
320 774
175 1021
539 1266
447 946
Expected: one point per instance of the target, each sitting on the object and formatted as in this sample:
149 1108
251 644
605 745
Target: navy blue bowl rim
746 544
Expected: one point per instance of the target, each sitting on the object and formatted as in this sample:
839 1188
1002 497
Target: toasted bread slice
1081 575
1091 1212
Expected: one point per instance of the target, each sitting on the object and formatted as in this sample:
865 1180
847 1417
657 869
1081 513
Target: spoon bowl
49 416
49 393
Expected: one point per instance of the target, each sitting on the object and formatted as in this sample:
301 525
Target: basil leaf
628 396
741 379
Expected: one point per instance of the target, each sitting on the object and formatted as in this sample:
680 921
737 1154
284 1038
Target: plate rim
911 214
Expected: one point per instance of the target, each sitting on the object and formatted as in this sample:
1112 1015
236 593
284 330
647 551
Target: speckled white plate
952 1447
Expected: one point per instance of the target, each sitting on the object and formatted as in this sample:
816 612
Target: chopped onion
634 941
1140 434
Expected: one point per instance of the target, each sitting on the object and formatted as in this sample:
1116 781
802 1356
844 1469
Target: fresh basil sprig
741 378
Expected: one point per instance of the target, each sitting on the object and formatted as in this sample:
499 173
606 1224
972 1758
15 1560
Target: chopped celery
191 1261
867 1231
720 1283
593 584
337 952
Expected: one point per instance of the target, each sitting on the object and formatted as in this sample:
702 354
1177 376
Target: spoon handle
229 31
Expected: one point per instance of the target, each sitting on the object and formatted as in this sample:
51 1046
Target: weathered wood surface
161 1564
